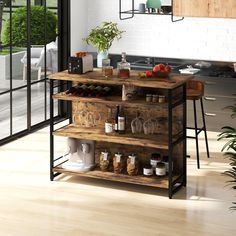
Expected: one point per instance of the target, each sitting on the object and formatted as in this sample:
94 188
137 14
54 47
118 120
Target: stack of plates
189 70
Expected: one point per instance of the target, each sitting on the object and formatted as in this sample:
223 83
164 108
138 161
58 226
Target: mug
142 8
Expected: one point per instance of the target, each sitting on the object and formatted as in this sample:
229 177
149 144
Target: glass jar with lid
118 163
132 164
160 169
104 160
123 67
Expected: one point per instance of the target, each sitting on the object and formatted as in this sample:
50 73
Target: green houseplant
19 31
101 38
229 133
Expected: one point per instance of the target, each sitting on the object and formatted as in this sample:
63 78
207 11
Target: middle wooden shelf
152 141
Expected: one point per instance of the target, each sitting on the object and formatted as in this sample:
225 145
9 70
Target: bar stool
195 91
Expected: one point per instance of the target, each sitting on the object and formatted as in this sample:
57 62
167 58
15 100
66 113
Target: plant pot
100 57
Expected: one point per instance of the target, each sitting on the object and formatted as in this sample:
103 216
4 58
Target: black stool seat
195 91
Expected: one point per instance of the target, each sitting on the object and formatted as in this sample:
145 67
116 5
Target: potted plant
229 133
101 38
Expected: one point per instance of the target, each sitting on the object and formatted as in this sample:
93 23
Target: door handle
210 98
210 83
210 114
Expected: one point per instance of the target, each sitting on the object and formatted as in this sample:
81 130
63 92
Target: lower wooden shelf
153 181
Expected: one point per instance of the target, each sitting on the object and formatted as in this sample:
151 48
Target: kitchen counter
217 69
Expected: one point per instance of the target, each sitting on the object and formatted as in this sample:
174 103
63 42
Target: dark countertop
217 69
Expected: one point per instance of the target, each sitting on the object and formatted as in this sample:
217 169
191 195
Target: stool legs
204 128
196 132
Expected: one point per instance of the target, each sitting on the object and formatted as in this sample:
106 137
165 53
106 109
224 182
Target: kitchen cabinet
218 94
169 140
205 8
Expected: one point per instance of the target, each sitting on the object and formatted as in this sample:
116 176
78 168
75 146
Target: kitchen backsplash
192 38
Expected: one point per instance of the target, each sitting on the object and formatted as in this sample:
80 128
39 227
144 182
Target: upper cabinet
205 8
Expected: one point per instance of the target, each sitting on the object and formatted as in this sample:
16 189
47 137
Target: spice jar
161 99
155 158
154 98
160 169
148 170
148 97
132 164
118 163
104 161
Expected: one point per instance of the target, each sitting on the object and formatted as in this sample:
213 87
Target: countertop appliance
81 155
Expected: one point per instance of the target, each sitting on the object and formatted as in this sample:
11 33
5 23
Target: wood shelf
96 77
111 100
153 181
164 141
152 141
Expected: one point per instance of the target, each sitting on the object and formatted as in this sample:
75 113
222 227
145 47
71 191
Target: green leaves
19 27
229 133
102 37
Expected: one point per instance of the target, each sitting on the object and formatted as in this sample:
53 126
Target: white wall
192 38
79 25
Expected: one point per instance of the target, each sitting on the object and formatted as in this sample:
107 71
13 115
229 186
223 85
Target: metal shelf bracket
132 12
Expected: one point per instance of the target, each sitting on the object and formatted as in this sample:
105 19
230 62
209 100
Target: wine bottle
109 123
121 121
116 118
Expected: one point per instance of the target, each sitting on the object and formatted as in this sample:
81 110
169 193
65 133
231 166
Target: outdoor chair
38 59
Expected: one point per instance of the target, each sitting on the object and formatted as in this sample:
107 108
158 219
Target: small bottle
123 67
109 123
121 121
116 118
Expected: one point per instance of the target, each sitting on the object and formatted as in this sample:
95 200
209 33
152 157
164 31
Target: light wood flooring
32 205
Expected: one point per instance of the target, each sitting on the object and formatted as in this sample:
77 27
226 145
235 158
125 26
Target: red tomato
167 68
156 68
148 73
162 67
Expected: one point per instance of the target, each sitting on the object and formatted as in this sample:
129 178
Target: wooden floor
31 205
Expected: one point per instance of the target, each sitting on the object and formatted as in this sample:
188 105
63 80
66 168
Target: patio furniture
38 59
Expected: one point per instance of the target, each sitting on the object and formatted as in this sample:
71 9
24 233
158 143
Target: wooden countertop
96 77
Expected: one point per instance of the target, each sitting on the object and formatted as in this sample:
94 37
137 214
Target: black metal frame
62 85
64 43
175 185
199 130
133 12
